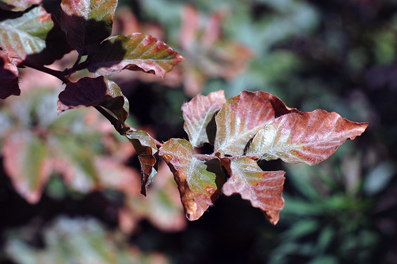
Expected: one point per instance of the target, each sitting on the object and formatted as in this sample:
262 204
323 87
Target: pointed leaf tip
136 52
198 113
302 137
198 181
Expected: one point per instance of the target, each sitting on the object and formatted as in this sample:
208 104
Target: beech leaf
199 182
17 5
137 52
262 188
146 148
35 36
87 22
8 76
304 137
198 113
242 116
94 92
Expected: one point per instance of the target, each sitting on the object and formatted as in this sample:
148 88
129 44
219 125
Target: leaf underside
137 52
17 5
94 92
146 148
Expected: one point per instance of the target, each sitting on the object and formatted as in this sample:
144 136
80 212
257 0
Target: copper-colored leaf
242 116
137 52
94 92
304 137
26 161
35 36
146 148
198 181
8 76
198 113
17 5
262 188
87 22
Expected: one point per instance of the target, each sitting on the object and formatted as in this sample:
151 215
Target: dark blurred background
335 55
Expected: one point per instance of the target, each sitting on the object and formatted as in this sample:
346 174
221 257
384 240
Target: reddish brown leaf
137 52
304 137
8 76
198 181
146 148
94 92
198 113
262 188
242 116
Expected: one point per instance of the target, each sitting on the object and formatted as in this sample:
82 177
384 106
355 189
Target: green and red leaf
137 52
198 113
242 116
146 148
199 182
26 161
17 5
94 92
262 188
8 76
87 22
34 36
304 137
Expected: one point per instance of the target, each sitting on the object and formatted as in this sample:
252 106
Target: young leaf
137 52
262 188
94 92
304 137
17 5
146 148
8 76
35 36
198 113
87 22
241 117
199 182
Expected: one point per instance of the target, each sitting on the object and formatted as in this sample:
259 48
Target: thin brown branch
52 72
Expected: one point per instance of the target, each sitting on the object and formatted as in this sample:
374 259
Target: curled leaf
262 188
146 148
87 22
137 52
198 181
94 92
8 76
304 137
198 113
17 5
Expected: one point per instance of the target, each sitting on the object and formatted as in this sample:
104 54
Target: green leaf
137 52
241 117
94 92
304 137
34 36
8 76
17 5
262 188
199 182
198 113
146 148
26 161
87 22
